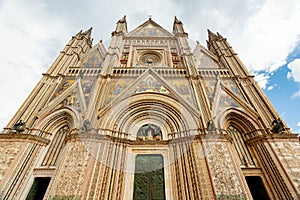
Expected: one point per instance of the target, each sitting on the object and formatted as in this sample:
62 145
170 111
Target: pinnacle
88 32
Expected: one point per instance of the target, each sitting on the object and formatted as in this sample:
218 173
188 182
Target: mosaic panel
93 61
63 86
205 62
116 87
87 86
150 85
182 87
73 101
210 87
230 84
226 101
150 31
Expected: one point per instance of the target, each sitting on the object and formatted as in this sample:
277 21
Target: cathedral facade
148 119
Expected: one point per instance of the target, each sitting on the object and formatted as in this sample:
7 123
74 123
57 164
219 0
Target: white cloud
270 87
28 39
262 80
268 36
296 94
298 124
294 66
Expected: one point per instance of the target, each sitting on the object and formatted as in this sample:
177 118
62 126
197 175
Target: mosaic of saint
210 87
205 62
226 101
116 87
150 85
182 87
94 61
150 31
230 84
65 85
72 100
150 132
87 86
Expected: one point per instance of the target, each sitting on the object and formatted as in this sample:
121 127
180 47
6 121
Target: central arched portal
165 116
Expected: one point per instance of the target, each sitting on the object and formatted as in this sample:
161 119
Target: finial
79 33
176 20
88 32
122 20
211 34
150 17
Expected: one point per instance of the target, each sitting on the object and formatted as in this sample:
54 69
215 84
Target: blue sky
283 91
265 34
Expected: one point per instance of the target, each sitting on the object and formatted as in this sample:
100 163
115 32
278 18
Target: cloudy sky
265 34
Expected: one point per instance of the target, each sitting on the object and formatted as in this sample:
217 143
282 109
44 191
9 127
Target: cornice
16 137
86 137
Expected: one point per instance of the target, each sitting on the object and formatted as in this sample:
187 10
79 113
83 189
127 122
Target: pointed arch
65 116
234 116
240 126
59 124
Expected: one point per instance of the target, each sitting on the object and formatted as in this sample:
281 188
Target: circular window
149 59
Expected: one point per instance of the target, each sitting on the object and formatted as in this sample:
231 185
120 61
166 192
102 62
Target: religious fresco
149 132
182 87
230 84
116 87
87 85
149 31
226 101
72 101
74 97
63 86
205 62
150 85
93 61
210 87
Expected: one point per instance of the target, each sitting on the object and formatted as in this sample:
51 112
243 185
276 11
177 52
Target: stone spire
121 26
178 27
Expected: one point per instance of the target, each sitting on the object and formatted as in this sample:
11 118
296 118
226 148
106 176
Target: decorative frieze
72 172
223 174
8 152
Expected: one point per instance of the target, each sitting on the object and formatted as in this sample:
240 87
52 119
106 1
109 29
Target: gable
92 60
149 29
204 60
150 82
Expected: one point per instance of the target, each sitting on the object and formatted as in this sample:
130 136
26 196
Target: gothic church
148 119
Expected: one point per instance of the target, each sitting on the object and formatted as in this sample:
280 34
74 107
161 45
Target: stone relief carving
72 172
8 152
226 182
289 154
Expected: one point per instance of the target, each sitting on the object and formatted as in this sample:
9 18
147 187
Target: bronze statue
211 127
20 126
277 126
86 125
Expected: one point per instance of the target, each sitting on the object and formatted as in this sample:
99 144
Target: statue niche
149 132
